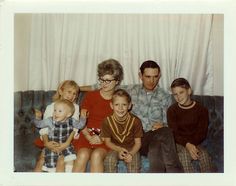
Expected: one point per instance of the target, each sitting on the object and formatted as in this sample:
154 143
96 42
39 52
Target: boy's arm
112 145
136 147
129 156
122 152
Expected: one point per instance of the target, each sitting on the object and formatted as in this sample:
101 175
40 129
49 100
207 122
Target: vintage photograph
58 53
97 93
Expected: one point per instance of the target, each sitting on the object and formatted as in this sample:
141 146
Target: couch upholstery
25 153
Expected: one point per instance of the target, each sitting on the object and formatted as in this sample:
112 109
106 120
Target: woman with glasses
96 103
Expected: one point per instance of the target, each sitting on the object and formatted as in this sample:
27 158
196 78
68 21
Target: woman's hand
95 140
193 150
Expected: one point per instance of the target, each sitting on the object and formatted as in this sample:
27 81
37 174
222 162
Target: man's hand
156 126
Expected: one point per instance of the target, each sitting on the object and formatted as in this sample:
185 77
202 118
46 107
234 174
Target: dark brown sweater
188 125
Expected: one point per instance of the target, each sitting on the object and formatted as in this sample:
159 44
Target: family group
122 122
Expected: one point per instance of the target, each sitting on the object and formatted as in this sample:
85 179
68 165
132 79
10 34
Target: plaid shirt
150 107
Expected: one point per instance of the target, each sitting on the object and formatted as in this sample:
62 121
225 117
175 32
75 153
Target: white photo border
7 12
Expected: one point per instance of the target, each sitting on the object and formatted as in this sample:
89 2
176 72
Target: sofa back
25 133
215 137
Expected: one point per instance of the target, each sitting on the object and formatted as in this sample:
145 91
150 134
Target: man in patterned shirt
150 103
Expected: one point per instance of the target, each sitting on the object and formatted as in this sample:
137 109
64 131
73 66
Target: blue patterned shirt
150 107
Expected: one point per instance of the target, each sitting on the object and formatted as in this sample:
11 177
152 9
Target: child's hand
128 158
123 153
61 147
38 114
193 150
52 145
84 113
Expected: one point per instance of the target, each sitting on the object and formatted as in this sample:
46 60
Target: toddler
59 126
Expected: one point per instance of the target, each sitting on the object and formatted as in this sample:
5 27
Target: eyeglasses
107 81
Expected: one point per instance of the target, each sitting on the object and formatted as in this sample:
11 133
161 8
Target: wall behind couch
22 24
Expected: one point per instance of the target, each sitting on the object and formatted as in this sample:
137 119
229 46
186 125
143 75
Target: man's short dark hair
149 64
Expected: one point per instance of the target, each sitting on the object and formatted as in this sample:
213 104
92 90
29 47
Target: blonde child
59 127
68 90
122 132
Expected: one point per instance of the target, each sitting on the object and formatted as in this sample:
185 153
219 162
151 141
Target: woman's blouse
98 108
